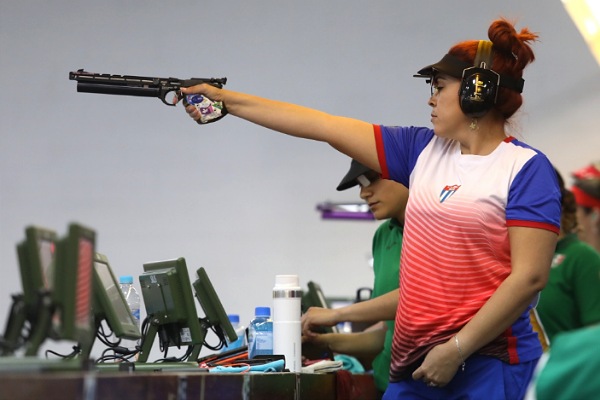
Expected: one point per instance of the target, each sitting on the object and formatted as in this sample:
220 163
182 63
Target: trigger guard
163 98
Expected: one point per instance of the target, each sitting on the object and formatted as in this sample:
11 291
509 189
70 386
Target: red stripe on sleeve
533 224
380 152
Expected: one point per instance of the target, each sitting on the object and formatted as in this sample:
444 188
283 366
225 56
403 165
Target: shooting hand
201 103
191 110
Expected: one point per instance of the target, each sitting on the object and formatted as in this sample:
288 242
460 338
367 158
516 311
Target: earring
474 124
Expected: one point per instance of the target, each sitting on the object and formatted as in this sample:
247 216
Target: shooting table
184 386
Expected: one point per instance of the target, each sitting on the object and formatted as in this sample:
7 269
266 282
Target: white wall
233 197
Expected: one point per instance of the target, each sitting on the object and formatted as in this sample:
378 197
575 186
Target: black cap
356 170
449 65
453 66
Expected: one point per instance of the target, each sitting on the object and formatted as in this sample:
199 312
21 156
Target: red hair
512 54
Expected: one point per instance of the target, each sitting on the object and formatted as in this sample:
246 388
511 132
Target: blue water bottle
240 330
260 333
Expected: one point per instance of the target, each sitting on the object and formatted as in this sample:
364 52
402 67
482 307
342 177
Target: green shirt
387 243
571 298
571 372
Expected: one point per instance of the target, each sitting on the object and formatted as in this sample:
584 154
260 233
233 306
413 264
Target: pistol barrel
117 89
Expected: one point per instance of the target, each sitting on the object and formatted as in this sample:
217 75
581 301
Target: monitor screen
212 307
169 304
72 287
109 303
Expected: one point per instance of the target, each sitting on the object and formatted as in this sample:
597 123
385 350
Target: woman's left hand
439 366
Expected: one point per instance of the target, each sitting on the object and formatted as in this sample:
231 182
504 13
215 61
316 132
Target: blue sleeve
400 150
534 196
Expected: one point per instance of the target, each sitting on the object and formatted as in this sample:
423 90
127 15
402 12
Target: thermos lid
287 281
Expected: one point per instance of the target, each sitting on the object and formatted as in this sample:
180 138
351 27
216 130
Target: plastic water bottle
240 330
260 333
287 308
133 301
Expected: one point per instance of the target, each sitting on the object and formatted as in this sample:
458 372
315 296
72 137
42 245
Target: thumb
194 89
418 374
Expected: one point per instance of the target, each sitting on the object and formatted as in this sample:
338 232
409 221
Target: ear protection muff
479 86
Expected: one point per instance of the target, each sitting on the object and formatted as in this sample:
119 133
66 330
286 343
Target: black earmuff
479 86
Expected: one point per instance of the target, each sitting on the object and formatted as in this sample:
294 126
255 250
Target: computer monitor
216 317
36 259
170 309
109 304
314 297
73 284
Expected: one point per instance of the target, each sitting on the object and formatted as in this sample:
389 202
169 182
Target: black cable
221 337
104 338
76 351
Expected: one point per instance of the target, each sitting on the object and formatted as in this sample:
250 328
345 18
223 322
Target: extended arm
380 308
350 136
531 253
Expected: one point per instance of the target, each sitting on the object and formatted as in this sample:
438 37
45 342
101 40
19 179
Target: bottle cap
126 279
284 281
262 311
234 318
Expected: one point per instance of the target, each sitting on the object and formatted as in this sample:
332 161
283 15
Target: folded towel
322 367
350 363
273 366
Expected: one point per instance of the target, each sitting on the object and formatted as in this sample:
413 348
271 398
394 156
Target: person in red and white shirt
481 222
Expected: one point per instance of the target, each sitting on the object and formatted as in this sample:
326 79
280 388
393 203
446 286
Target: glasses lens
368 179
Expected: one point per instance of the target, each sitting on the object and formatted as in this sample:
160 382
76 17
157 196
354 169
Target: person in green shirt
570 369
387 201
571 298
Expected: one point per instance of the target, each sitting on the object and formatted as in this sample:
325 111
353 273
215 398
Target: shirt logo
557 260
448 191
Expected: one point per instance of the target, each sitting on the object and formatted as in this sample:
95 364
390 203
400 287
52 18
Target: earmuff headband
454 67
483 58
